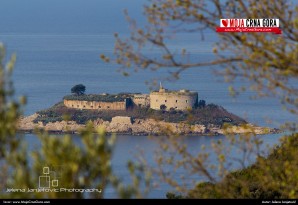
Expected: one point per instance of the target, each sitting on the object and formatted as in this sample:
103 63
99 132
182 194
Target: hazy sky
66 16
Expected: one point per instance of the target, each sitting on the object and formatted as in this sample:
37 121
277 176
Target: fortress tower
178 100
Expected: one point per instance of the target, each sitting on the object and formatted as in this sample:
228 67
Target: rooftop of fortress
100 97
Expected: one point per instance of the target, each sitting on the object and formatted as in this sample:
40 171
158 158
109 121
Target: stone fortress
157 100
178 100
95 105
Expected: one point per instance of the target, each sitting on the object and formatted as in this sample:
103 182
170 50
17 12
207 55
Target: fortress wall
177 101
94 105
141 100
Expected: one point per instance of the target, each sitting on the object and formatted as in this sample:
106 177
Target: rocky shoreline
125 125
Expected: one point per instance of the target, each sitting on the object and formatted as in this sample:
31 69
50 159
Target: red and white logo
249 25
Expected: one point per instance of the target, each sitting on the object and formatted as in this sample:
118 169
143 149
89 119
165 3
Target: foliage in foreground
82 168
268 62
271 177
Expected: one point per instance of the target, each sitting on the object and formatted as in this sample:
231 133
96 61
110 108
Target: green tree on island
78 89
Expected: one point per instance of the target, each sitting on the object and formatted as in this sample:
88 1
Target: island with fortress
179 112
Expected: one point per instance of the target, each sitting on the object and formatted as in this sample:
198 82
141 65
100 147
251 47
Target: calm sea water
58 49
